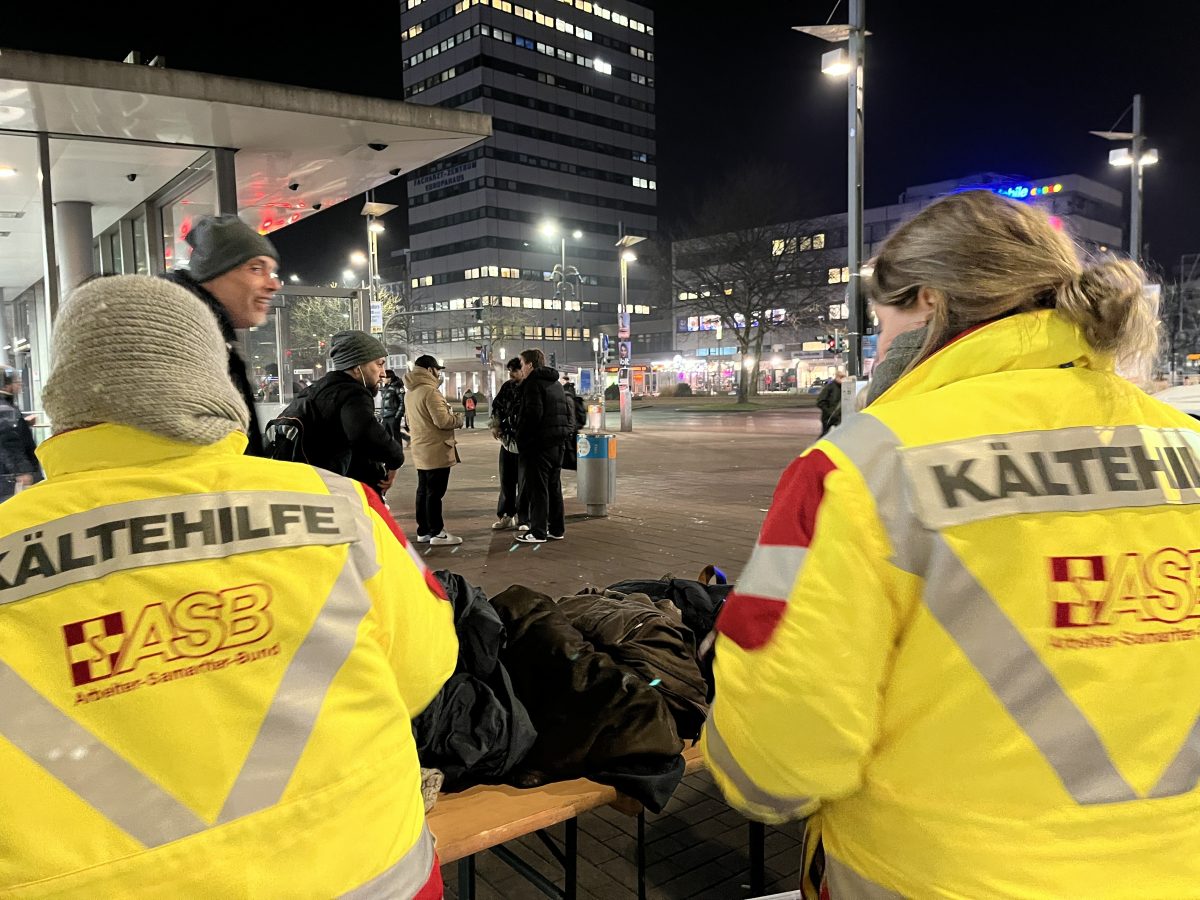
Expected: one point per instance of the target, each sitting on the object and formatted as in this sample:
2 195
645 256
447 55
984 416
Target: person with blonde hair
964 645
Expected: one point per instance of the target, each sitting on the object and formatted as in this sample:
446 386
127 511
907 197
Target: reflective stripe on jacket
208 666
969 634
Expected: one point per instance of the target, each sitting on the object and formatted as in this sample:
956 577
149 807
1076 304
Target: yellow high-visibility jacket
968 640
208 667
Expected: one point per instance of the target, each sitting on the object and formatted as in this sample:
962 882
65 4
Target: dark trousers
506 505
541 489
431 488
470 419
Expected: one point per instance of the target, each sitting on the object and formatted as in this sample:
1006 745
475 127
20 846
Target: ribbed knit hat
141 351
221 243
348 349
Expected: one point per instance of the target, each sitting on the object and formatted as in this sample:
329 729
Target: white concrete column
73 238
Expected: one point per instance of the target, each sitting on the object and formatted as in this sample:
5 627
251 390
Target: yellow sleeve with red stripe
416 619
803 647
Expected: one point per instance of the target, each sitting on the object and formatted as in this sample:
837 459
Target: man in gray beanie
233 269
186 631
341 433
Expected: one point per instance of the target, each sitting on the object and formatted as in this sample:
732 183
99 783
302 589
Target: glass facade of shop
149 236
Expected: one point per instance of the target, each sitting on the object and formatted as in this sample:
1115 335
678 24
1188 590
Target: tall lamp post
563 275
624 338
373 211
849 61
1137 157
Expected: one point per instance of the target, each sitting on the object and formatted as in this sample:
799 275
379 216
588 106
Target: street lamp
1137 157
372 210
563 275
849 61
294 279
624 345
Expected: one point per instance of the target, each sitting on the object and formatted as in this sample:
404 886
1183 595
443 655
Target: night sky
951 89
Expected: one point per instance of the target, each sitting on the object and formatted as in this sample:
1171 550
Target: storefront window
179 215
114 246
141 252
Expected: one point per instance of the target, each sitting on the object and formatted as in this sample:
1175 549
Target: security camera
377 147
294 186
316 207
393 172
131 177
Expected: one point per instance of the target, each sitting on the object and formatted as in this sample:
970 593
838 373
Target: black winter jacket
547 418
237 365
345 436
17 445
594 715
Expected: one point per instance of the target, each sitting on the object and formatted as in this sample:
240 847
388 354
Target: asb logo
194 626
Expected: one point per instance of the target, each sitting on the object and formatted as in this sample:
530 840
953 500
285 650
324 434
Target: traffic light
478 307
831 343
553 360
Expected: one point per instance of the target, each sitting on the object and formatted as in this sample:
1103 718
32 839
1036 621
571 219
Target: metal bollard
597 472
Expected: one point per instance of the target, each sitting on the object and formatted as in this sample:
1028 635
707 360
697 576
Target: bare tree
753 269
1180 314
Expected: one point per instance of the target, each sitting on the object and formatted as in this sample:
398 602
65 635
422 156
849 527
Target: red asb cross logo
93 646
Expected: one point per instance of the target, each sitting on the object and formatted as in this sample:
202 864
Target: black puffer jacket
237 365
475 730
648 638
594 716
547 419
346 437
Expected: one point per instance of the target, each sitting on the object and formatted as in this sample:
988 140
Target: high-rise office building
570 166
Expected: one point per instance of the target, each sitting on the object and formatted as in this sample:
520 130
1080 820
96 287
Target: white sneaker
503 523
529 538
556 537
522 528
423 539
444 539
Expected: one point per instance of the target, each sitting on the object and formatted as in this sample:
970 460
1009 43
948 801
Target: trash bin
597 473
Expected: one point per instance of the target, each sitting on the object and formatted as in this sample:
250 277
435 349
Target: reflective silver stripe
1183 773
975 621
846 884
1063 470
100 777
1021 681
89 545
870 446
771 571
718 751
289 721
405 878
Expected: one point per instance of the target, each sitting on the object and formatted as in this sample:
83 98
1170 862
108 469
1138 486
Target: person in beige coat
431 423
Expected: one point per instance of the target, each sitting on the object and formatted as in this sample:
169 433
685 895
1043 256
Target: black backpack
283 438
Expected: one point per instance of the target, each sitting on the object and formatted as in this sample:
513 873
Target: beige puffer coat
431 422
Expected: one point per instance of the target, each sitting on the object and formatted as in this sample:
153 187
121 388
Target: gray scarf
904 349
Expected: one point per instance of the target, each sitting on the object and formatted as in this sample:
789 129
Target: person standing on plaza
544 425
961 648
234 270
391 407
829 402
469 403
209 663
431 425
505 410
342 434
18 465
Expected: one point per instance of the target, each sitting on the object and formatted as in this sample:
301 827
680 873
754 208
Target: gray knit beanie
141 351
348 349
221 243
